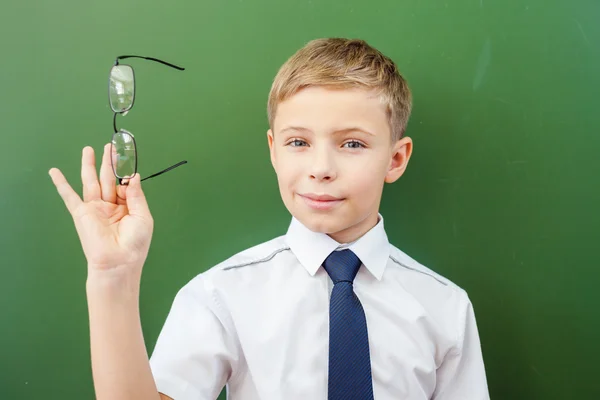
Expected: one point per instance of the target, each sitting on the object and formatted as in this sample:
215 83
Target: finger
136 200
66 192
121 194
107 177
91 187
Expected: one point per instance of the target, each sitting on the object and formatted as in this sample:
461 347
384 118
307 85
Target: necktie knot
342 266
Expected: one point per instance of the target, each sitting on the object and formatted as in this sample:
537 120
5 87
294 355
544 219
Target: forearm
120 365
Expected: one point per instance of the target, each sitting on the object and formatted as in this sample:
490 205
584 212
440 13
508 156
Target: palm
105 230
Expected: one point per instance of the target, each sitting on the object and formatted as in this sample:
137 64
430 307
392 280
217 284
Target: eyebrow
336 132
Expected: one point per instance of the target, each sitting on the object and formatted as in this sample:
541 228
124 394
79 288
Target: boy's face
332 152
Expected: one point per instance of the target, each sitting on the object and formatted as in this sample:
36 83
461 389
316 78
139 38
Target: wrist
122 279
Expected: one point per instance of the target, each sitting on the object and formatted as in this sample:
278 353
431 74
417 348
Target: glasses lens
121 88
123 154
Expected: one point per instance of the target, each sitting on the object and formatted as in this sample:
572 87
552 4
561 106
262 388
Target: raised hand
113 222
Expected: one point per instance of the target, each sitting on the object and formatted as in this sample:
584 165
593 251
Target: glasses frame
125 180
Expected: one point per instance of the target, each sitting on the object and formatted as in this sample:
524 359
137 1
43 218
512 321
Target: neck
357 230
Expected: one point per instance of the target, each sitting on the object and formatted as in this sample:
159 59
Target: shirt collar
312 248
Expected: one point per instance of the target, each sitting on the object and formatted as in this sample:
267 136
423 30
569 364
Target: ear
271 140
400 155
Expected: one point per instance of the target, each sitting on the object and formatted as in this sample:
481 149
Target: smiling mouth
320 202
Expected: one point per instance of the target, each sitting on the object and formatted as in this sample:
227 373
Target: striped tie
349 358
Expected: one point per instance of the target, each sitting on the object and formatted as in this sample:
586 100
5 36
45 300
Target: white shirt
259 322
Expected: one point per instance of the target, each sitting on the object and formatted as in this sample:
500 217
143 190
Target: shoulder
258 255
423 280
442 299
253 263
402 260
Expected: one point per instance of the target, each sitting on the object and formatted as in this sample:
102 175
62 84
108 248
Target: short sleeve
196 350
462 373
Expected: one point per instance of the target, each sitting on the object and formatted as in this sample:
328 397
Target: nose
323 166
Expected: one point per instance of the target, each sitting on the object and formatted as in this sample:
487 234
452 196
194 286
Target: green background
501 195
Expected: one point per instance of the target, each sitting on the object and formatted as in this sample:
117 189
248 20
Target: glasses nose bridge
115 122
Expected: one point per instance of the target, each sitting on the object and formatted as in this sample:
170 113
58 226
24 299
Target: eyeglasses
121 95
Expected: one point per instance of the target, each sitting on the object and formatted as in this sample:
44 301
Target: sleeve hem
176 389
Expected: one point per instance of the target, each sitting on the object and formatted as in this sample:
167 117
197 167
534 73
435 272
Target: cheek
369 169
367 178
286 174
367 185
290 166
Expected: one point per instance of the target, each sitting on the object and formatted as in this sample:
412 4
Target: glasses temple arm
165 170
151 59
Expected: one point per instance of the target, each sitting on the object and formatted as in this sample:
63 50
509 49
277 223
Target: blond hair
344 63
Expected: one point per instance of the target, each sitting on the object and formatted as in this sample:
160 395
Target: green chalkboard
501 195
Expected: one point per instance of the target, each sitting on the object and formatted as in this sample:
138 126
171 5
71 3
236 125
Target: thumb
136 200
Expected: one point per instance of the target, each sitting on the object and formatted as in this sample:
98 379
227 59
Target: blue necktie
349 358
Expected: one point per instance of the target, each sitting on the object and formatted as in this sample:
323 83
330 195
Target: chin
321 222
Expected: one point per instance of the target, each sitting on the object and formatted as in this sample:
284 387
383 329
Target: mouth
320 201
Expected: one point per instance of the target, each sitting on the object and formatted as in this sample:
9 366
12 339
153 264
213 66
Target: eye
354 144
297 143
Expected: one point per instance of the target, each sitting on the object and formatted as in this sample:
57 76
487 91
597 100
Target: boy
329 310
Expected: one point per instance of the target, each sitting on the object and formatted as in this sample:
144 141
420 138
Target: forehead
321 108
